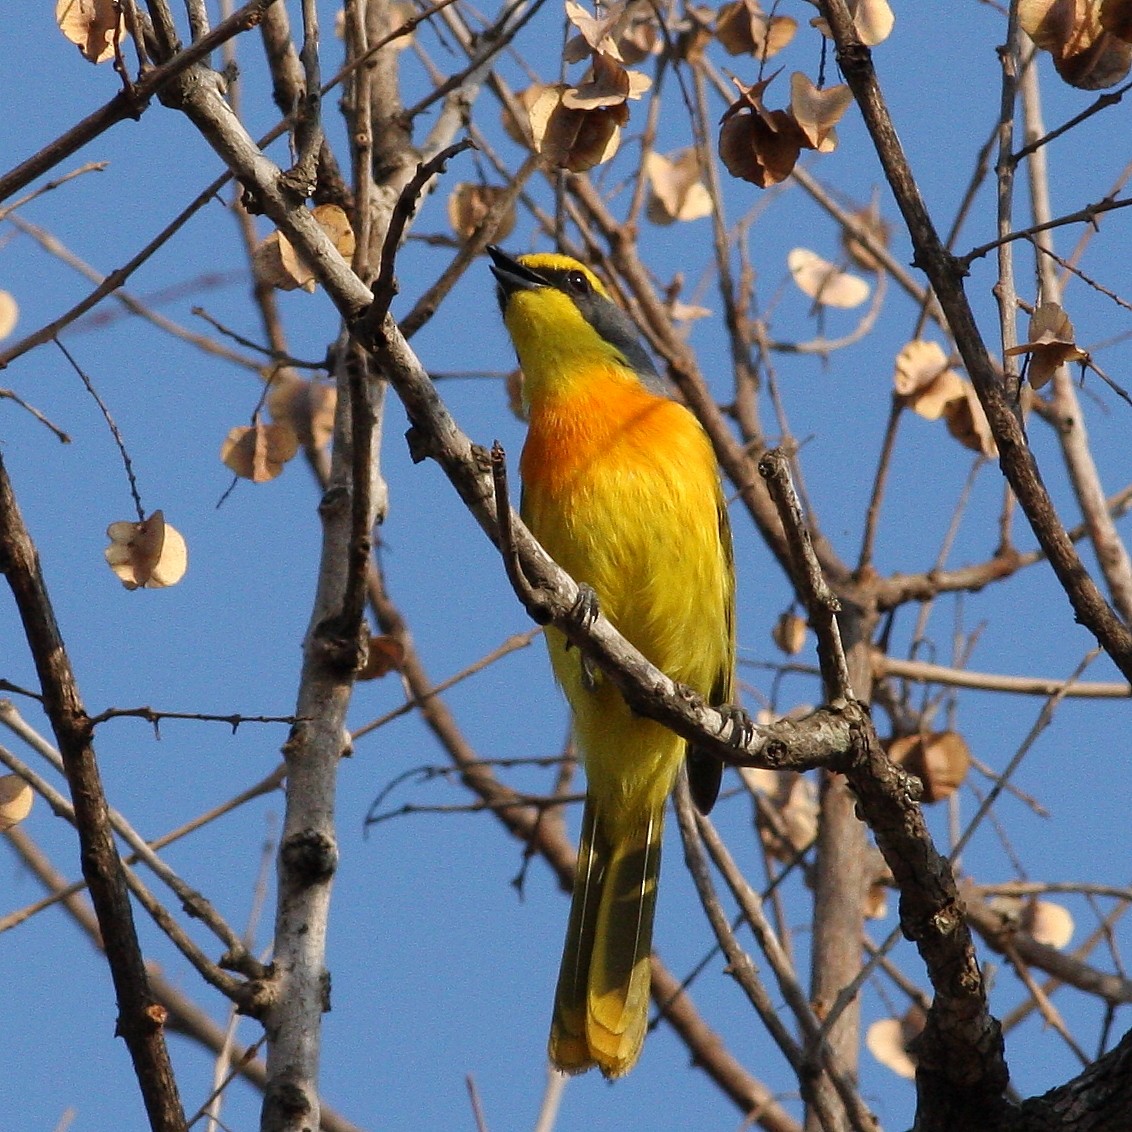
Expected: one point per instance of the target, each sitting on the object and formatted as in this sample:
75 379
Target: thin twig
63 893
54 246
129 104
308 113
880 479
153 716
1086 215
820 601
1072 269
11 395
816 1048
385 285
1072 433
1045 717
209 1105
89 167
927 673
477 1107
184 1016
1048 1011
430 300
114 280
739 964
551 1100
512 644
192 901
1109 98
112 425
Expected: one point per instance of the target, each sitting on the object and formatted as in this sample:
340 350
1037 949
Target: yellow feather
621 486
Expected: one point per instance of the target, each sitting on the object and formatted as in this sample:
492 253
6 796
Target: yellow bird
621 486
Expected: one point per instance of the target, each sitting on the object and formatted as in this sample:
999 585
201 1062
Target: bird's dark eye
577 282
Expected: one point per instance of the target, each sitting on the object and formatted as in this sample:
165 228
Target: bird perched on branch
621 486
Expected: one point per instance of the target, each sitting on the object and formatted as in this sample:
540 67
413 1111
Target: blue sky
440 970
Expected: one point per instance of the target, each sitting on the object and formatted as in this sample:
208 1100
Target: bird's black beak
511 275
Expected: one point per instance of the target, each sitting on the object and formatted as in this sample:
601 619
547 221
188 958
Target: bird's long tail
601 1005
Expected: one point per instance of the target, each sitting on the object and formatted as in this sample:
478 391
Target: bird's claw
738 727
583 613
586 608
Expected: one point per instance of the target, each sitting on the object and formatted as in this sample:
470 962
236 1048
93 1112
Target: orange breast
615 423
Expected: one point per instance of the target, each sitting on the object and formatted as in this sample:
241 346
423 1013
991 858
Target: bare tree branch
129 103
945 275
140 1017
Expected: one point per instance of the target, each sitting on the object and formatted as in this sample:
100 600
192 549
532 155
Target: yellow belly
630 506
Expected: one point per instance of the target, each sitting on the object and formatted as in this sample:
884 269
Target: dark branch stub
532 601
